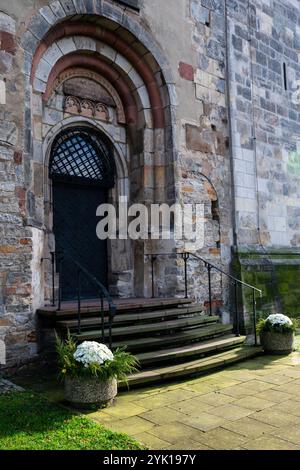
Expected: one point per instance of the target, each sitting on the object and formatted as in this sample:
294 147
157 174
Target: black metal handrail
57 258
209 266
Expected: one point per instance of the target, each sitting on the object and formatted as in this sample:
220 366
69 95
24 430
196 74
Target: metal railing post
209 266
112 312
102 318
60 271
79 301
153 258
209 288
237 319
57 261
53 276
254 316
185 259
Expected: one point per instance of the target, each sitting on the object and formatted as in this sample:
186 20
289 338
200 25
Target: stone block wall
204 149
196 51
264 67
17 323
263 46
199 139
228 77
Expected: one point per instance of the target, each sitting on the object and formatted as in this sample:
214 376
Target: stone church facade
196 101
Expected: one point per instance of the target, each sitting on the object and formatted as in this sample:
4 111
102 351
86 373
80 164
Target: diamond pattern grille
80 155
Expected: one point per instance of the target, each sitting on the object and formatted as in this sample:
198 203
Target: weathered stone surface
29 42
85 392
8 132
215 5
57 9
80 6
199 13
68 6
38 26
186 71
88 89
258 164
7 42
194 140
48 14
268 52
53 54
111 12
7 23
131 3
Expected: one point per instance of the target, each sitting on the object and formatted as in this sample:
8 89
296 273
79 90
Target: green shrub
91 359
278 323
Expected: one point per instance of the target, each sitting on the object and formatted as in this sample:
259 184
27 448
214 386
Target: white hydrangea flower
279 319
91 352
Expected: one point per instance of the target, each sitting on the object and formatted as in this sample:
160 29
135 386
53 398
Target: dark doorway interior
75 222
82 171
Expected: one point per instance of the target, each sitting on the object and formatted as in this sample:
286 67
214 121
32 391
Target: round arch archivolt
133 38
79 72
44 30
125 43
133 71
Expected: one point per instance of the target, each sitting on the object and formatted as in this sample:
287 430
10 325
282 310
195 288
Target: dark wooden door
75 221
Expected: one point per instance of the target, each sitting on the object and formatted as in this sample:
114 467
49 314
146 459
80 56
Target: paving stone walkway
7 386
253 405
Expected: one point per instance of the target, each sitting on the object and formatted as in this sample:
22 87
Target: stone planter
86 392
277 343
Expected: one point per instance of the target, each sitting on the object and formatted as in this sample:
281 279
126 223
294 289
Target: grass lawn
29 422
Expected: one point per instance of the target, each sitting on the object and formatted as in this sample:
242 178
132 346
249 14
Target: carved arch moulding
78 72
88 108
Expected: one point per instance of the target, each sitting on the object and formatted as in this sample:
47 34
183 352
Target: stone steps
195 367
92 307
178 339
170 337
190 350
129 318
146 328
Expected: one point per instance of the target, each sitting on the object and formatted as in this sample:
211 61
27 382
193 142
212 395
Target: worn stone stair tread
182 337
190 349
197 366
185 336
145 328
135 317
92 307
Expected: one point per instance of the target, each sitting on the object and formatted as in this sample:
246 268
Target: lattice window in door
80 155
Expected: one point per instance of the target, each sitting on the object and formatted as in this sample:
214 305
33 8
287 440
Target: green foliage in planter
122 364
269 324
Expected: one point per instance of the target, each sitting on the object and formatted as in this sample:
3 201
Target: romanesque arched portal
94 72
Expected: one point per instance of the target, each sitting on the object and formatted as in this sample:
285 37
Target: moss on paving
30 422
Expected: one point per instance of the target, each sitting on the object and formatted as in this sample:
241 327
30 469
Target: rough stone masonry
199 99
